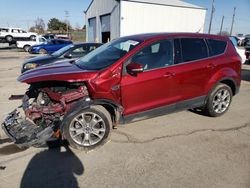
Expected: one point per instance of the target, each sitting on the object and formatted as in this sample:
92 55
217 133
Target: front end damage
43 107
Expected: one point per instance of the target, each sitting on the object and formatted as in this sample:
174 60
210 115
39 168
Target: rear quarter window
216 47
4 30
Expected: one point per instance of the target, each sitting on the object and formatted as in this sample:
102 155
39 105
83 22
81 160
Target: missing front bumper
25 133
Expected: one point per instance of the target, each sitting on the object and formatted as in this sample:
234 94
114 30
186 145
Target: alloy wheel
87 129
221 101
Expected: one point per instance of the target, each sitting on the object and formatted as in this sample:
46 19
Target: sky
23 13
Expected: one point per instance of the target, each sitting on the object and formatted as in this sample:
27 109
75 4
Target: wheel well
111 111
231 84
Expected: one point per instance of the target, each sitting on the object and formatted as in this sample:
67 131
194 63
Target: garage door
92 30
105 28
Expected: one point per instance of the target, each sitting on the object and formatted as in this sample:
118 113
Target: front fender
86 103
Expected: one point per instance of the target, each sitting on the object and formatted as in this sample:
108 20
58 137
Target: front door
155 86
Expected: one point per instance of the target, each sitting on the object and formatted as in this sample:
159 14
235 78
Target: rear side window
193 49
216 47
4 30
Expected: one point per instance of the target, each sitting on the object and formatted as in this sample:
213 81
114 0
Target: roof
149 36
174 3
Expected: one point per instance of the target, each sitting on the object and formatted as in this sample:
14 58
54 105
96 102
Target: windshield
107 54
62 50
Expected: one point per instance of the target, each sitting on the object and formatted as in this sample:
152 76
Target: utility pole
211 18
221 26
231 31
67 21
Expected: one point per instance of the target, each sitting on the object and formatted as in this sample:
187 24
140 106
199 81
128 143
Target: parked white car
27 44
10 34
240 50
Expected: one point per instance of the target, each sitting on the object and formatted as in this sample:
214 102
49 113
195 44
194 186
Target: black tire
26 48
77 140
216 104
32 37
42 51
9 38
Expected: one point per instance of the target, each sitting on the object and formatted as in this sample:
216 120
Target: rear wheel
88 129
32 37
26 48
9 38
218 101
42 51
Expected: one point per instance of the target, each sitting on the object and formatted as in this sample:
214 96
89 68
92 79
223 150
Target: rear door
193 69
155 86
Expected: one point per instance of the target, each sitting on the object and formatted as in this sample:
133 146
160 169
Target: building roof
175 3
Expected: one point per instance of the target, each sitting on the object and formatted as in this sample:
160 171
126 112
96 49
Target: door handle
169 74
211 66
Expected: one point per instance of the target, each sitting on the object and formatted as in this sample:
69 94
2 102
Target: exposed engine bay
43 107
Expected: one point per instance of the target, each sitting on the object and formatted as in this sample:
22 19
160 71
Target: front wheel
218 100
88 129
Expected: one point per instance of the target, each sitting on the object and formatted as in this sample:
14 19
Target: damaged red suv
126 80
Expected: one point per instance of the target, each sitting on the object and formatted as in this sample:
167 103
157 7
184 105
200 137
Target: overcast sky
22 13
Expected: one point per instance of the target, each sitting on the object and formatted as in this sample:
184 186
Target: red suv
129 79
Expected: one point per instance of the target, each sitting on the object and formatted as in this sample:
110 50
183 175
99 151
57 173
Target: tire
32 37
26 48
42 51
9 38
218 101
88 136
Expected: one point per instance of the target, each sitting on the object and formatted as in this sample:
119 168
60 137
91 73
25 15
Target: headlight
30 66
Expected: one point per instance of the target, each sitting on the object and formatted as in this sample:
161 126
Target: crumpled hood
63 71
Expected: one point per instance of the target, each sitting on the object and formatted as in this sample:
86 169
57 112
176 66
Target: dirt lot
177 150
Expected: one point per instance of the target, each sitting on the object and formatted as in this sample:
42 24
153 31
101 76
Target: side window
216 47
4 30
156 55
15 31
91 48
78 51
193 49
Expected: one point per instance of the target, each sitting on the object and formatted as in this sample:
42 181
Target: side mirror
68 56
134 68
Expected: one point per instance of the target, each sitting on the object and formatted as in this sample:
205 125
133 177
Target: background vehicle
247 53
240 50
126 80
49 36
49 47
10 34
72 51
25 45
246 41
241 39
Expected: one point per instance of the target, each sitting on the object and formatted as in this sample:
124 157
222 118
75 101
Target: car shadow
54 167
245 75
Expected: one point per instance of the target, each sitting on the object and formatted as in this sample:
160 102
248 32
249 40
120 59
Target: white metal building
110 19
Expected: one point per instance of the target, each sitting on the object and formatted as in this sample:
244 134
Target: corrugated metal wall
99 8
143 18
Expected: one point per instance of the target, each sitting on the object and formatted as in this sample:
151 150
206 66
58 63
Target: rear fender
226 74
